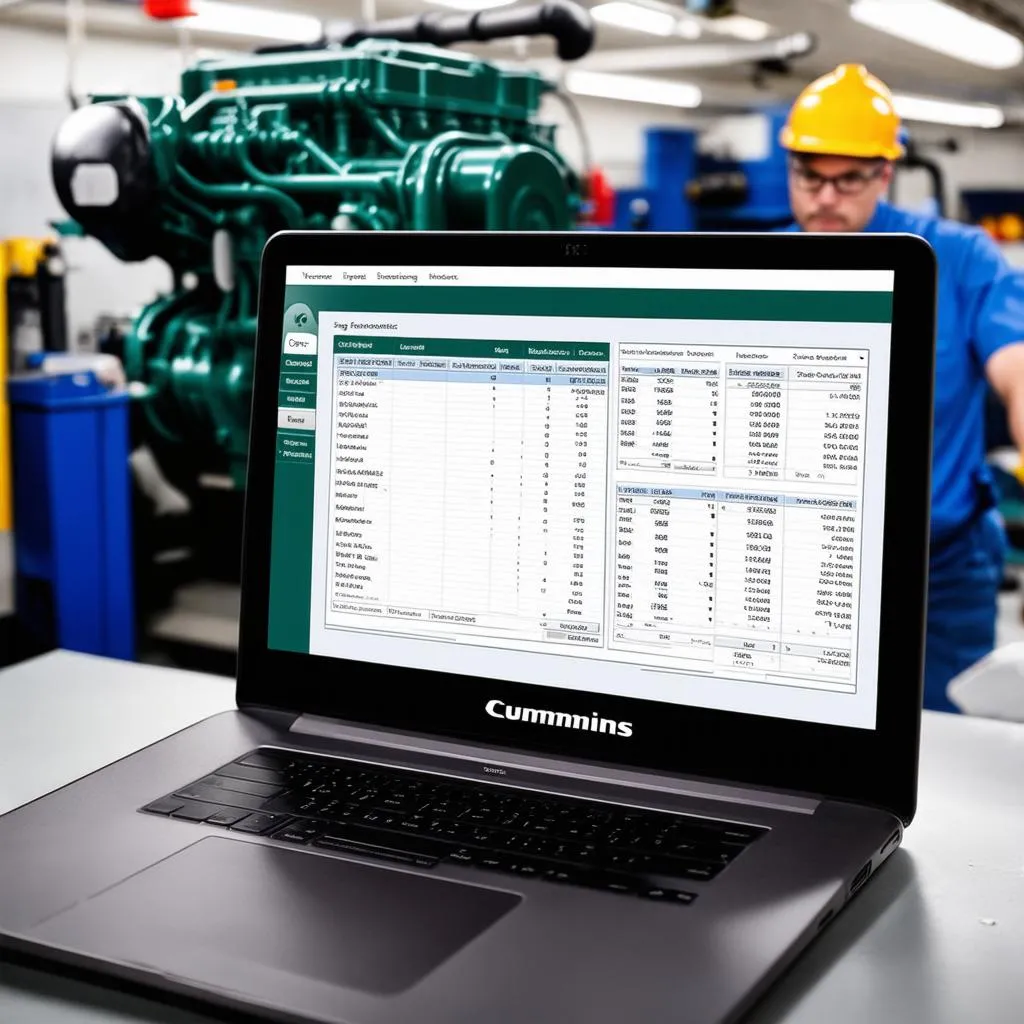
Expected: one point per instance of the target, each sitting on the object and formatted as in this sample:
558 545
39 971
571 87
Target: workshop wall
985 159
33 103
615 132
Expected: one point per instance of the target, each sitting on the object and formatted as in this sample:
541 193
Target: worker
842 137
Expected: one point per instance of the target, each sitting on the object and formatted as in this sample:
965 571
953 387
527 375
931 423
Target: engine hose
352 94
289 209
375 182
385 131
193 207
324 157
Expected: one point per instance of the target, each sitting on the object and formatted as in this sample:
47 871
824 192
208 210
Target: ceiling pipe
692 56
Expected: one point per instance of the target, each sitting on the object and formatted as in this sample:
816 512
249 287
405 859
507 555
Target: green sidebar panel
291 549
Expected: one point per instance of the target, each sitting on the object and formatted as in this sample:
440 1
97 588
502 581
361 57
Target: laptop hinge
274 717
512 767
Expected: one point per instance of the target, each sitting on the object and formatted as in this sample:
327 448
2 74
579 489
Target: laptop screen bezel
876 767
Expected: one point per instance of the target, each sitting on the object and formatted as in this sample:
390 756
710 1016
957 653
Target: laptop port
891 841
829 914
860 878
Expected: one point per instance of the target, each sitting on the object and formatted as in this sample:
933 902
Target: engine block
378 135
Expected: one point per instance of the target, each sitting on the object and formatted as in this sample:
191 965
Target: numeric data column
748 580
469 444
682 429
637 519
506 479
634 419
755 420
698 437
543 417
581 594
825 428
821 564
691 547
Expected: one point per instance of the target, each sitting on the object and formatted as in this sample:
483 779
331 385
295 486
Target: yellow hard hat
847 112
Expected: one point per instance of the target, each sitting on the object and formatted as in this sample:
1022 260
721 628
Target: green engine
364 133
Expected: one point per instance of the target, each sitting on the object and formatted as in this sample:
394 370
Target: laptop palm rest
244 912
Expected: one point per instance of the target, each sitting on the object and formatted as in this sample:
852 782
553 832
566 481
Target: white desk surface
936 938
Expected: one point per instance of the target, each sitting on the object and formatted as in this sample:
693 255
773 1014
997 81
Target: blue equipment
72 513
689 186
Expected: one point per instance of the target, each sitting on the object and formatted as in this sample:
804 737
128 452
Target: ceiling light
942 28
965 115
471 5
237 20
637 90
633 16
741 27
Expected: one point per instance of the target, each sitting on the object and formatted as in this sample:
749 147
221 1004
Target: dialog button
300 343
296 419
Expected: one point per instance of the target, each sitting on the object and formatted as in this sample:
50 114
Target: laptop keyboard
423 819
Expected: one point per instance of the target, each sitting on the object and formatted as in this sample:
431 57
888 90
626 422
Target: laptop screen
663 484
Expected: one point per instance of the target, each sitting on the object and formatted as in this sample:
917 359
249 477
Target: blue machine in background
696 181
72 513
661 204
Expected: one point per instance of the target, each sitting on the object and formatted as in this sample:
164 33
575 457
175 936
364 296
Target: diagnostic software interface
664 484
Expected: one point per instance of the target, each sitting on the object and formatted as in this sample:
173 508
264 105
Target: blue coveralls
980 309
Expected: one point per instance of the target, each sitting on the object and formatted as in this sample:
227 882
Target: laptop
580 661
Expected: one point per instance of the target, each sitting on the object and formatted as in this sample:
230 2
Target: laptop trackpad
227 901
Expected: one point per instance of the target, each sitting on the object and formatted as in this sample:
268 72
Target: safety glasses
849 183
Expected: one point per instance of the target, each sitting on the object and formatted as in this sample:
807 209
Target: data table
514 541
700 504
753 582
710 411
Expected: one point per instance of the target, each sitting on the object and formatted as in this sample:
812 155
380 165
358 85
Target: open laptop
581 645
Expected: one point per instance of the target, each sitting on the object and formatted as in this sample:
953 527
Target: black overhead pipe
571 26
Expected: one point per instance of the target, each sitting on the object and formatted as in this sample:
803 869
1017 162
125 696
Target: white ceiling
902 65
906 67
